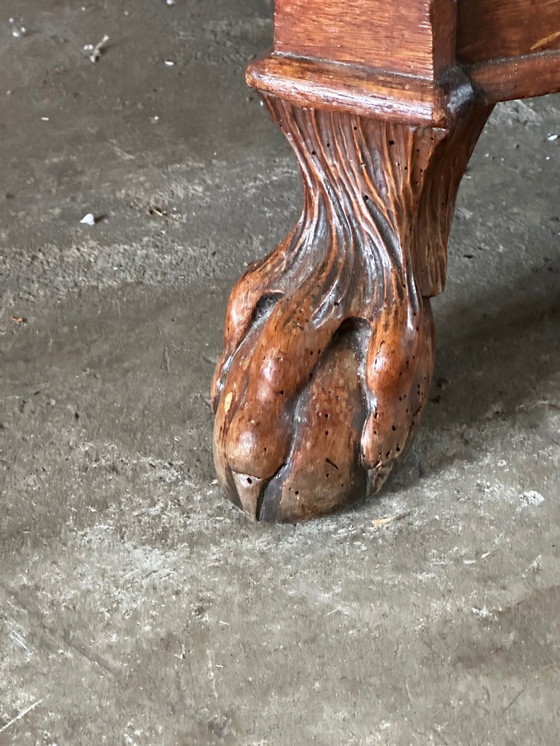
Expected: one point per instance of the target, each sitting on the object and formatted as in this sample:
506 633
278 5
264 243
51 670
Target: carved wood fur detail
329 340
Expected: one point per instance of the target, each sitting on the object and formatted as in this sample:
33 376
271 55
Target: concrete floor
136 605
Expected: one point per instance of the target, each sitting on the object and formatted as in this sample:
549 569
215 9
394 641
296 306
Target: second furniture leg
329 340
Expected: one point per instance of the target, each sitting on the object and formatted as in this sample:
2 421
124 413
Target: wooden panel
492 29
415 37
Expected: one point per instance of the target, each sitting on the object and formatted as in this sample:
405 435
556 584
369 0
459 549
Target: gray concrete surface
136 606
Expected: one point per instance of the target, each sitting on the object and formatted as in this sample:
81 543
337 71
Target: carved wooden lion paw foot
314 412
329 341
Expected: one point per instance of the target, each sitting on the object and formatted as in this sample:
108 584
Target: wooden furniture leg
329 340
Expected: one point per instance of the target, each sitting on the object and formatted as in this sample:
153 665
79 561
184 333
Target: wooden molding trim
368 91
517 77
362 90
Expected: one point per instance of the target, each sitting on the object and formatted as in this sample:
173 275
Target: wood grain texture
359 89
375 93
494 29
518 77
329 341
413 37
400 60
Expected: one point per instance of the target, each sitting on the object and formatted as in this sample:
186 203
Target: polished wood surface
329 341
415 37
510 48
358 89
518 77
495 29
328 350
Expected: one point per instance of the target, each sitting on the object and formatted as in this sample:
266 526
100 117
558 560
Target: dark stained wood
329 341
414 37
492 29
